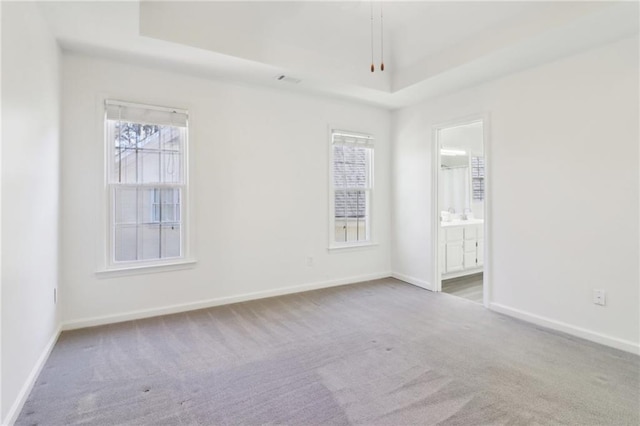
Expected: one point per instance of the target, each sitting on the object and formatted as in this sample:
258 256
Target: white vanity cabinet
480 246
461 248
454 249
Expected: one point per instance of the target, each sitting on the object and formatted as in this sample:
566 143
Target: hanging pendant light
381 40
373 68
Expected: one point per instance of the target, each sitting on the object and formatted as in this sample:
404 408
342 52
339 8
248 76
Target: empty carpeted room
320 212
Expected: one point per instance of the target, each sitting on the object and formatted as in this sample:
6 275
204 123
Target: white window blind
146 176
477 178
143 114
352 185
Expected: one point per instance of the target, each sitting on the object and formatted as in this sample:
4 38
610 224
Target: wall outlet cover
599 297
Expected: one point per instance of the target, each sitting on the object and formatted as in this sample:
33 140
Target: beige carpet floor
375 353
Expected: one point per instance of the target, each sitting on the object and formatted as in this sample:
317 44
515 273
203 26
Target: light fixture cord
372 66
381 41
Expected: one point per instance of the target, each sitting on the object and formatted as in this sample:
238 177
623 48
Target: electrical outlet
599 297
309 260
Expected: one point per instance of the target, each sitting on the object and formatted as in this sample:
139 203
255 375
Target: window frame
109 264
369 192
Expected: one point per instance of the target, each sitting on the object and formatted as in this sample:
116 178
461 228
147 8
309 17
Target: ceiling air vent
288 79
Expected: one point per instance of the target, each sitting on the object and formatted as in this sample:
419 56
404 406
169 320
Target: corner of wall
31 92
16 408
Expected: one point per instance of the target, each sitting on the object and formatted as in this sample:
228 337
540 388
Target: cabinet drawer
480 230
470 260
455 233
470 245
470 232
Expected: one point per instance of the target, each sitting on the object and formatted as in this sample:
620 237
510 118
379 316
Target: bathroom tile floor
468 287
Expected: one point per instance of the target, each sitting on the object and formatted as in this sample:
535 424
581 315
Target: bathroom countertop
459 222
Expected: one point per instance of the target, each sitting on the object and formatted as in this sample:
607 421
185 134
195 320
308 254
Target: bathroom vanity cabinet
461 248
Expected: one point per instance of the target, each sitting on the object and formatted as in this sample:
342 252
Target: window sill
352 247
152 268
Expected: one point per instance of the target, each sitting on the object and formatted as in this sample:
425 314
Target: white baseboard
603 339
413 280
15 409
184 307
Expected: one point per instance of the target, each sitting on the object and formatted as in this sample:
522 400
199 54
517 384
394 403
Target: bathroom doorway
460 199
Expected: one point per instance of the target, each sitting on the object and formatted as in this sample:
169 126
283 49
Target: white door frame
435 200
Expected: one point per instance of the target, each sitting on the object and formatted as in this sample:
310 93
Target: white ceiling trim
179 36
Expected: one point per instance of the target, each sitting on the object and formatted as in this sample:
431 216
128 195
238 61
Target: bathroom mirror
455 179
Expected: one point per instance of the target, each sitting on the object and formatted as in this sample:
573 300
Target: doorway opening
460 222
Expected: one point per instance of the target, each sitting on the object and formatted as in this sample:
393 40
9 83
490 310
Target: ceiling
430 48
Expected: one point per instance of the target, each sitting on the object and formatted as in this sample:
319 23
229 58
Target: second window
352 186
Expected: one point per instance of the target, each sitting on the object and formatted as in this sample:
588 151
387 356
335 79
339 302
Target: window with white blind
146 182
351 188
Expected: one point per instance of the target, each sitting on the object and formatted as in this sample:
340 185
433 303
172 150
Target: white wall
260 190
564 197
30 197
